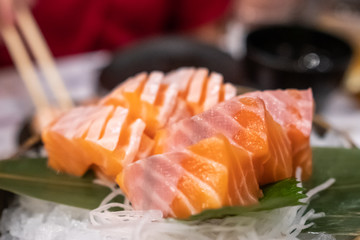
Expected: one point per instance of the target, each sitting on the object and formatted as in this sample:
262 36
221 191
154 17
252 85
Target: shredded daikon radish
283 223
33 219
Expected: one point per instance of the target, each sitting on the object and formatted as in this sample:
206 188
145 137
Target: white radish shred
283 223
34 219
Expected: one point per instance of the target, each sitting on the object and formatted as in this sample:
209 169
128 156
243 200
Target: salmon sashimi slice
182 78
204 90
181 111
147 98
102 136
197 88
212 91
145 148
293 109
118 142
133 86
207 175
228 92
113 161
247 125
158 99
63 139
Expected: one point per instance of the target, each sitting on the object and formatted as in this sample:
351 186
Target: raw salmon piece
147 98
196 96
63 140
145 148
152 87
228 92
113 162
212 91
246 124
207 90
206 175
132 86
293 109
182 78
159 99
104 136
243 187
119 143
180 111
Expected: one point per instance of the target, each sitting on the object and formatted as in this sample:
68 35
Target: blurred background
258 44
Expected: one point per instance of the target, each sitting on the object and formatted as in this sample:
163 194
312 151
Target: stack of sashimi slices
183 142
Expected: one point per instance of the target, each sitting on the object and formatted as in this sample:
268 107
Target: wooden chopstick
42 54
25 67
321 122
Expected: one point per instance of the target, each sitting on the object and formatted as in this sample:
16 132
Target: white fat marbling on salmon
132 84
152 87
149 198
146 146
172 184
91 113
221 122
293 110
229 91
185 133
180 111
280 153
219 119
78 121
234 181
168 105
152 183
302 156
156 189
181 77
281 102
196 86
98 124
113 129
204 185
240 180
185 78
213 195
66 121
69 141
213 90
211 162
136 132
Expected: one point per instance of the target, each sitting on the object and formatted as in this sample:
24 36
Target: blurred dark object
342 8
166 54
5 199
264 12
25 134
296 57
343 18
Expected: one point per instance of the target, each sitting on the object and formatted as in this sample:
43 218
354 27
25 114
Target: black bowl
296 57
166 54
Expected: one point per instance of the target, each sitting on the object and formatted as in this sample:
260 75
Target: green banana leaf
340 203
280 194
33 178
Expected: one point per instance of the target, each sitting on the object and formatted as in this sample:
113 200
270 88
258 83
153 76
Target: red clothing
75 26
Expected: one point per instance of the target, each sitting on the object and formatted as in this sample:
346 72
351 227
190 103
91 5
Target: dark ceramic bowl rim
260 55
